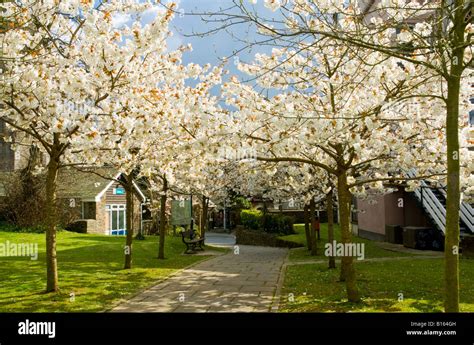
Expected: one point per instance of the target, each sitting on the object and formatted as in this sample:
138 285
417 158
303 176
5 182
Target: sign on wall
119 191
181 212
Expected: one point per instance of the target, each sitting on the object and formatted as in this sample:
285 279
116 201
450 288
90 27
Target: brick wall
113 198
101 217
101 223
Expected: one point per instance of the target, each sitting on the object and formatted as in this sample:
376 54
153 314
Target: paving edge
157 282
281 279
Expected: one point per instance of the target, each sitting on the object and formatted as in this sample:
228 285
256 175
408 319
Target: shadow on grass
391 286
91 274
366 305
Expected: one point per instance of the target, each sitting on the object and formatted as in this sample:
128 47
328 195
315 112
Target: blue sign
119 191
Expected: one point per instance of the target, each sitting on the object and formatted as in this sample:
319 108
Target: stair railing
430 203
466 212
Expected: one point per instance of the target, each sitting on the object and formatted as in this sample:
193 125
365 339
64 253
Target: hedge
259 238
251 219
272 223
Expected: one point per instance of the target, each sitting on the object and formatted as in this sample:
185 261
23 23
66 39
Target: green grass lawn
302 254
90 267
316 288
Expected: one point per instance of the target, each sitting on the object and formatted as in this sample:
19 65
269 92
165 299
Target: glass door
117 219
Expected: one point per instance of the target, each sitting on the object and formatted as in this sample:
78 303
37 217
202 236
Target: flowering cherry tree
436 35
73 73
176 152
341 112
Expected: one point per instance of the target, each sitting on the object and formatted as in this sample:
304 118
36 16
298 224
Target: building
93 197
93 201
399 208
17 159
425 207
98 201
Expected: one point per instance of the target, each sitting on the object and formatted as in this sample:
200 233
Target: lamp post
192 220
140 235
225 217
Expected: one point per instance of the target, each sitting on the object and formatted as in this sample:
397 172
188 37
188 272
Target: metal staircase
466 213
433 201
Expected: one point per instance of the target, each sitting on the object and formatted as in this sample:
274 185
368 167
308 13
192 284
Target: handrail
436 209
433 206
466 212
431 203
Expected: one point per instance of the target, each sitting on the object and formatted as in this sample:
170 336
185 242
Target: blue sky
208 48
212 48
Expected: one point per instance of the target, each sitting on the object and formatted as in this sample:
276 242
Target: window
89 210
116 219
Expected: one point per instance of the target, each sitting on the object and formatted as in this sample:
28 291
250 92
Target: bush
241 203
9 227
79 226
271 223
251 219
258 238
278 224
23 204
24 199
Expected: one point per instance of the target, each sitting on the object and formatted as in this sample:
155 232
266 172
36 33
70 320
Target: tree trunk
129 220
330 212
451 303
306 227
347 262
52 218
314 243
161 249
453 195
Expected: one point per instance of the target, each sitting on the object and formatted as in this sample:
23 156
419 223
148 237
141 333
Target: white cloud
149 15
120 19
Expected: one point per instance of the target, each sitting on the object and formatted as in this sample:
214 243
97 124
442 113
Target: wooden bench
191 241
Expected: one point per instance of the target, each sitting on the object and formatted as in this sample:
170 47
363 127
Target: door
117 224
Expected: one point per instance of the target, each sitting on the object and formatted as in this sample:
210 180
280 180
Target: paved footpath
243 282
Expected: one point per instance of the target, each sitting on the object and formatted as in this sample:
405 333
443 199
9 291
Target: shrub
278 224
9 227
258 238
24 199
241 203
254 219
79 226
251 219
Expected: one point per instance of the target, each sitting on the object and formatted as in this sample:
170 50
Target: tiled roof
85 184
73 183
